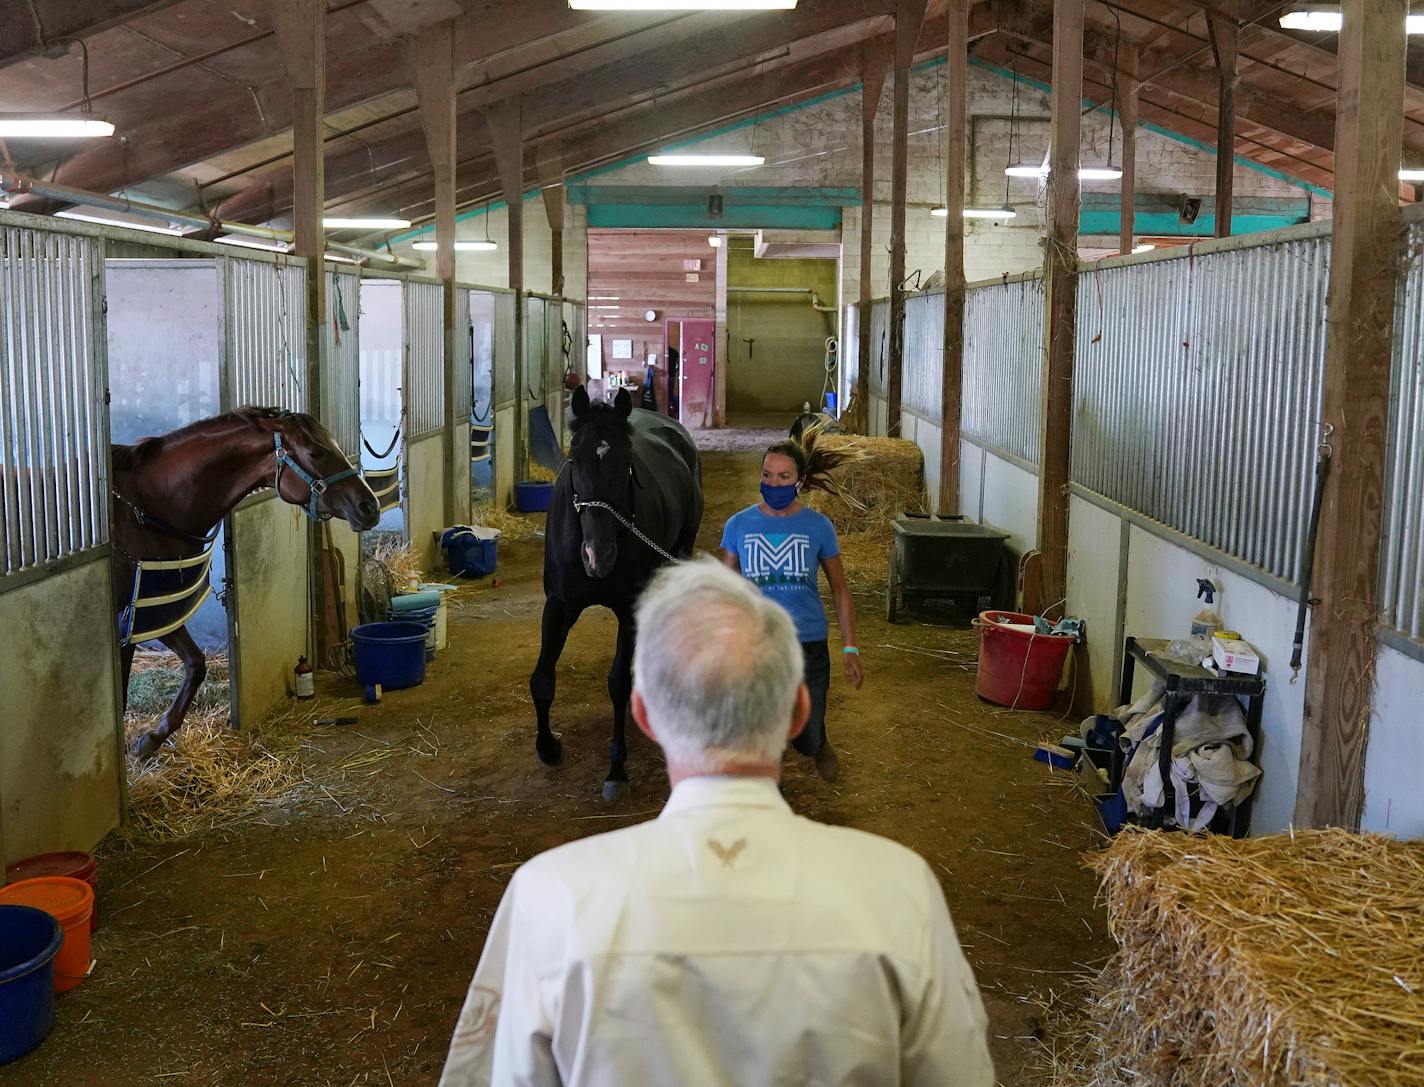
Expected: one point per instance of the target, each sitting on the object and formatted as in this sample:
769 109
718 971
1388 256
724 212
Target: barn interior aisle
329 939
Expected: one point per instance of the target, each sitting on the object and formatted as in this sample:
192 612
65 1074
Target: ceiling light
605 307
603 298
251 243
1145 247
151 228
54 126
682 5
978 213
706 160
336 222
1085 173
1327 19
337 258
714 241
464 247
1415 174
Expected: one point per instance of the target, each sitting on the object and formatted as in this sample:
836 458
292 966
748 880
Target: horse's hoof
550 750
146 746
615 790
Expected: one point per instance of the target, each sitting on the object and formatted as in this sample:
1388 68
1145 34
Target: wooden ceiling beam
33 28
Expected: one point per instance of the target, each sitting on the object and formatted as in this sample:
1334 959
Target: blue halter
318 486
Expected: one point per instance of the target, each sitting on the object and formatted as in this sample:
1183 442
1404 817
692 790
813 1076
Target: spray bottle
1207 621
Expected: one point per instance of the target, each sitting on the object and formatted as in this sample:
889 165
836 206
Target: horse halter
317 486
627 522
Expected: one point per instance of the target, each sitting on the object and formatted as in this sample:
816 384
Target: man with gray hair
727 942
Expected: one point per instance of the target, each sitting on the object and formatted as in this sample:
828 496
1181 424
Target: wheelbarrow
949 558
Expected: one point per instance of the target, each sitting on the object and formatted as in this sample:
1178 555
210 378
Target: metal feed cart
949 558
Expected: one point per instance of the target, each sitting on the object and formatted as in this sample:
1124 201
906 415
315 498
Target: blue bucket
533 496
423 616
831 403
391 654
29 941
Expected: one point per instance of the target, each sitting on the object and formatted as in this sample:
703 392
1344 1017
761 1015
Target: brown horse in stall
170 493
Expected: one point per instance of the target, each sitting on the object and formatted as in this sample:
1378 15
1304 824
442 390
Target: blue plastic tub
391 654
533 496
29 941
466 554
425 617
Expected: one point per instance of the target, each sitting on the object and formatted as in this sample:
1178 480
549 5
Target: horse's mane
599 412
129 457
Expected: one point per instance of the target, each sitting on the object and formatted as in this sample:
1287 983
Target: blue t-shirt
781 556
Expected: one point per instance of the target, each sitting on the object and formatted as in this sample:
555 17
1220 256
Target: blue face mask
778 498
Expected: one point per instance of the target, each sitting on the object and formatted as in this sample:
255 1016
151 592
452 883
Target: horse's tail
816 459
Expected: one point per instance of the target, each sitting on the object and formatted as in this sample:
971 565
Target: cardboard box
1234 655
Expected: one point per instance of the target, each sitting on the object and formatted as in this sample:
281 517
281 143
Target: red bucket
1017 668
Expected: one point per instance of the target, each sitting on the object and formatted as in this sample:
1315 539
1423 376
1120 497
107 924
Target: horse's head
311 471
601 470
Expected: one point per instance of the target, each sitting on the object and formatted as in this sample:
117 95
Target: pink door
697 369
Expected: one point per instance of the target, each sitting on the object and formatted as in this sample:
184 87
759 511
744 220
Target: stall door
697 362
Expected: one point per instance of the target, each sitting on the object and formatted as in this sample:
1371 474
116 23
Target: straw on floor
1292 959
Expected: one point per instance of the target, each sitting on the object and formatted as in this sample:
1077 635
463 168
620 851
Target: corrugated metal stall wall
1402 569
458 471
61 764
506 398
553 398
879 349
341 407
264 363
921 391
1197 390
850 356
424 387
1003 366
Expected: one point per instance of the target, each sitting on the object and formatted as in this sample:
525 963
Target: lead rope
580 505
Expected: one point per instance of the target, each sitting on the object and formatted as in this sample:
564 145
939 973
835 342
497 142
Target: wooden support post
956 108
551 177
507 136
874 62
1127 114
909 14
1364 264
301 45
1225 42
1060 307
432 62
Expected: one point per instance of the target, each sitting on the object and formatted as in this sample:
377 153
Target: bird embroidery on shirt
728 856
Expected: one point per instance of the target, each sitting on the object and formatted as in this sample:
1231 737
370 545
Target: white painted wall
1394 796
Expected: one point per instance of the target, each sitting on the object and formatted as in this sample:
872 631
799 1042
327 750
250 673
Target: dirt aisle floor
331 940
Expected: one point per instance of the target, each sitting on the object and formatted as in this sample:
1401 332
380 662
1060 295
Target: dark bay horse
627 500
170 493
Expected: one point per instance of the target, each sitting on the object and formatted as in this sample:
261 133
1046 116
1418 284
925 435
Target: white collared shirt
729 943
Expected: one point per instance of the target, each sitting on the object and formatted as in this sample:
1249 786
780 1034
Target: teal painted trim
783 195
736 216
1178 137
1167 225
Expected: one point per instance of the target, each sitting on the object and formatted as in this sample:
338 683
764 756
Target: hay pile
208 776
1284 960
397 556
885 480
511 525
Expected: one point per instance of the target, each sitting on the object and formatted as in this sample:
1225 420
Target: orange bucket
70 902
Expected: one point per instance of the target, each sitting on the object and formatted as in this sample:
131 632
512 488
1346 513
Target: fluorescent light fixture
605 307
1085 173
336 222
337 258
978 213
1411 175
603 298
1145 247
464 247
682 5
1327 19
53 126
715 241
151 228
706 160
252 243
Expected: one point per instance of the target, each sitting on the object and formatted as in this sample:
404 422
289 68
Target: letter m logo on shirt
772 554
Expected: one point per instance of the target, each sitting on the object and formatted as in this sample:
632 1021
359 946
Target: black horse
627 501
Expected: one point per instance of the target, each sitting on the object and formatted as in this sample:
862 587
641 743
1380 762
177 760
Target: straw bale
885 479
1292 959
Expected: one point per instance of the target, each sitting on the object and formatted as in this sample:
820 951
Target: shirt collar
719 791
